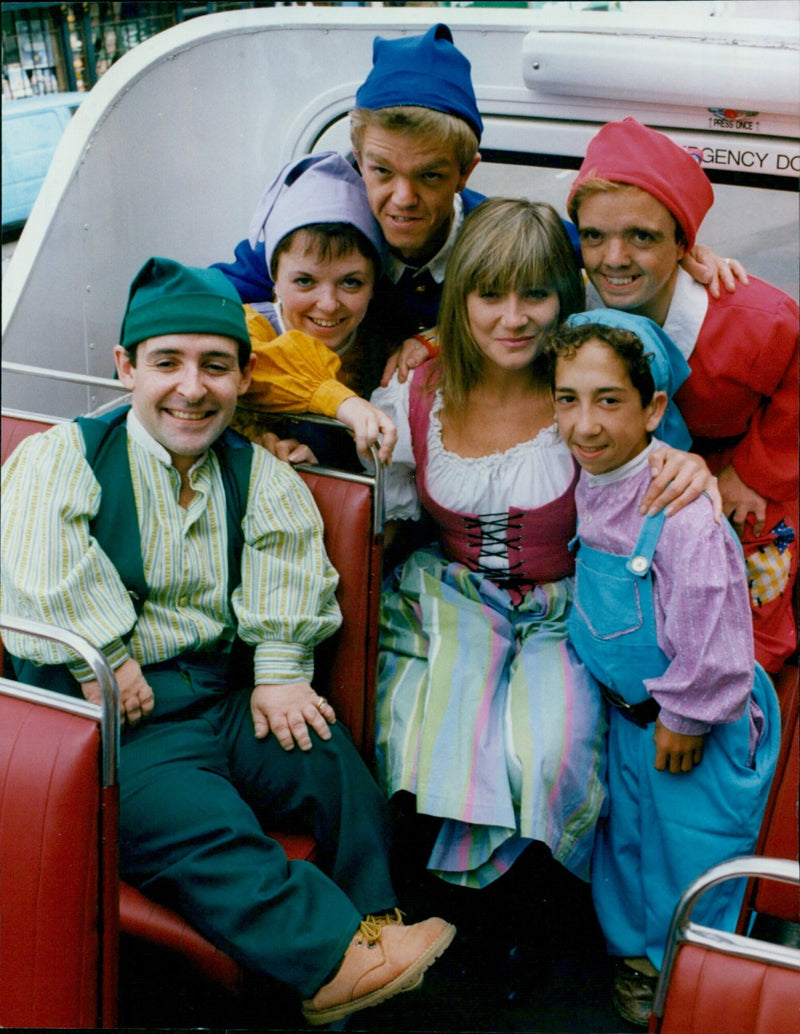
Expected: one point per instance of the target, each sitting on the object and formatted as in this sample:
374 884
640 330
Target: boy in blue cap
660 617
415 132
172 543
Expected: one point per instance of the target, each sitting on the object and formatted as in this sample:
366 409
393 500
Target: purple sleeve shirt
701 599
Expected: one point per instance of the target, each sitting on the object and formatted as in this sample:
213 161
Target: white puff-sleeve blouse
526 476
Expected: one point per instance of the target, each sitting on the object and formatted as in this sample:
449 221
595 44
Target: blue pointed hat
424 71
667 364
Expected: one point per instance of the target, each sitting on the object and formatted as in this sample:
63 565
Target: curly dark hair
566 341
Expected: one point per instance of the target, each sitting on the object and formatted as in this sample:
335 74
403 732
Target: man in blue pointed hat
415 133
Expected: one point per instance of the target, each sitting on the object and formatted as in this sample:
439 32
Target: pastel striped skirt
487 715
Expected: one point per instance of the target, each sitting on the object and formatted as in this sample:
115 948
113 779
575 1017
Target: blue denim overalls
663 830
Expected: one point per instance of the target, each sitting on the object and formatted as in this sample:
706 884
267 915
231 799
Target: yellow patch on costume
767 573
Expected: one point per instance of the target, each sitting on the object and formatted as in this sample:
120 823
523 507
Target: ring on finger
320 703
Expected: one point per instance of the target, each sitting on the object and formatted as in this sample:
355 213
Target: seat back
16 429
714 981
58 858
780 832
346 665
771 902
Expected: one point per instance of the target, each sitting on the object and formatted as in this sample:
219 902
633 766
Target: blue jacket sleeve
574 239
471 199
248 273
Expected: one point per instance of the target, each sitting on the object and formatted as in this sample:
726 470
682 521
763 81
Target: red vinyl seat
715 992
713 981
58 951
780 830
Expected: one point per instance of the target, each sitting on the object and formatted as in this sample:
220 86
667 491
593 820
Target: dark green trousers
197 791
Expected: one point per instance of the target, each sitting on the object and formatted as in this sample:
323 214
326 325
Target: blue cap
667 364
424 71
318 188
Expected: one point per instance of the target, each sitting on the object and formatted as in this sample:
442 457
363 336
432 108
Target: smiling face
510 328
326 298
185 388
411 182
599 411
629 250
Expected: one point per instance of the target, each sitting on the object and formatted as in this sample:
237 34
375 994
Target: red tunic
741 406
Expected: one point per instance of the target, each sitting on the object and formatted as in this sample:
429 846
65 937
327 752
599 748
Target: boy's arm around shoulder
53 570
678 478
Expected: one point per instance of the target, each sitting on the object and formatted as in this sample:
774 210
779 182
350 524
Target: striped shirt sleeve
52 570
286 603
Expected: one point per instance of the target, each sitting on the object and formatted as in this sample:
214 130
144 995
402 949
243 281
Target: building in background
60 47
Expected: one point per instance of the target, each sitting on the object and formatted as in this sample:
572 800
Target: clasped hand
284 709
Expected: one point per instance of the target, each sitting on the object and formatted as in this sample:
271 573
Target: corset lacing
488 535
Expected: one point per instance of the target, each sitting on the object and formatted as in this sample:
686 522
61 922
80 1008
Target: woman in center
485 712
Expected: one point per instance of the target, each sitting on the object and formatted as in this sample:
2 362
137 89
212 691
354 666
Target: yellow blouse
294 373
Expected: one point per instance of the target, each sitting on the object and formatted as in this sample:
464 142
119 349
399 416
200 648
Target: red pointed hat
628 152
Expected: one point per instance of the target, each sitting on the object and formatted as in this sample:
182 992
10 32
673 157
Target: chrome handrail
683 931
375 476
101 669
63 375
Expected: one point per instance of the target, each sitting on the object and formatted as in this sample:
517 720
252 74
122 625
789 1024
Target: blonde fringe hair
503 245
449 130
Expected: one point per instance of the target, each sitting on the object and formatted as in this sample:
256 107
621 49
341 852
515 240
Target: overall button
639 564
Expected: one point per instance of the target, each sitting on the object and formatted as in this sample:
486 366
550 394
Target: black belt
641 714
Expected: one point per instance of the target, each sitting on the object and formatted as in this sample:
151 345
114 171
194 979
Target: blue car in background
32 128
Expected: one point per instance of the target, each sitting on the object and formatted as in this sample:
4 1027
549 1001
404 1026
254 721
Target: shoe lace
371 926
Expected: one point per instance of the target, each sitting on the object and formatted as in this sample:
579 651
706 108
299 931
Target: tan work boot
384 958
